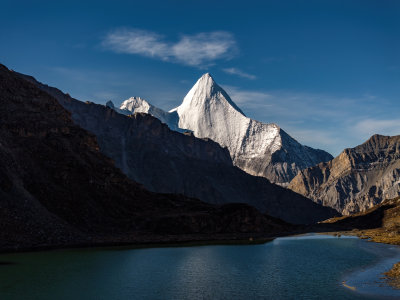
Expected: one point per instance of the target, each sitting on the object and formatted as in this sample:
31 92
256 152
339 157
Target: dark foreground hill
58 189
166 161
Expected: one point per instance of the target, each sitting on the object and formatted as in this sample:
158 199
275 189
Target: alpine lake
309 266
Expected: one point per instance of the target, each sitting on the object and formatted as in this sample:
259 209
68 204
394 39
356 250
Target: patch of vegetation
393 276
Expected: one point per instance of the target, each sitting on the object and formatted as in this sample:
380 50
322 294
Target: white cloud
198 50
372 126
137 42
204 47
239 73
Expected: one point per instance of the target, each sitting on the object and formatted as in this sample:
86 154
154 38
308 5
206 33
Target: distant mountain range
57 189
166 161
59 185
257 148
357 179
354 181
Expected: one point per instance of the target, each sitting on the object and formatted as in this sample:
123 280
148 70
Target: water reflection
302 267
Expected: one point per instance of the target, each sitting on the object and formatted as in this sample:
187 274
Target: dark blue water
308 267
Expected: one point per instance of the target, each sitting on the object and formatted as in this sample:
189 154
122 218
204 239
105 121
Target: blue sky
327 72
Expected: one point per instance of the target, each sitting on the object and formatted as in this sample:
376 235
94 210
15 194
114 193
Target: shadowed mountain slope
58 189
170 162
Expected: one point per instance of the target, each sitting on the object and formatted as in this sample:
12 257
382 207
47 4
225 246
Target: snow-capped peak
209 112
207 92
136 103
139 105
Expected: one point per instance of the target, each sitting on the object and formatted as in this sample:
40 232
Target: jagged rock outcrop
170 162
58 189
258 148
357 179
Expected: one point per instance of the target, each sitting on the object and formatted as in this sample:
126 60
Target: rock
357 179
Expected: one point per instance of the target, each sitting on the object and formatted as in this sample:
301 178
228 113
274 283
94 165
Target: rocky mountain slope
259 149
357 179
58 189
170 162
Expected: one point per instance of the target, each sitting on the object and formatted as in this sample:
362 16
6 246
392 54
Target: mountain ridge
209 112
57 189
155 156
357 179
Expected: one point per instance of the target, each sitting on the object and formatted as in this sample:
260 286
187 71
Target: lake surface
304 267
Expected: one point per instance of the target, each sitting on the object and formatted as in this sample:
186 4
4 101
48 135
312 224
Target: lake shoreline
198 241
392 276
107 250
184 273
146 241
155 242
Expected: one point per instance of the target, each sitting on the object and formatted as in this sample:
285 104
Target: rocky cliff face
170 162
357 179
58 189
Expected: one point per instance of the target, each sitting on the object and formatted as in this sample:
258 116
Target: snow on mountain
208 111
139 105
258 148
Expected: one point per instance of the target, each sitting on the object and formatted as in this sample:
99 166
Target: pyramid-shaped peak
204 91
207 76
206 81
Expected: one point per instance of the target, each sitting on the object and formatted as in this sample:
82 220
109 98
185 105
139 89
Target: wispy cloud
235 71
371 126
297 105
199 50
319 138
248 99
